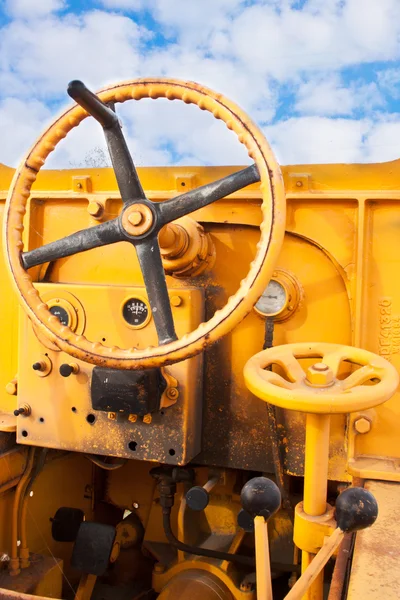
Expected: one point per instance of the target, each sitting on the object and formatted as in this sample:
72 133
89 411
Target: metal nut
176 300
147 418
132 418
320 375
362 425
112 416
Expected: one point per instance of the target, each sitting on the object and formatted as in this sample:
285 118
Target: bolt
246 586
320 375
132 418
176 300
79 185
135 218
112 416
11 388
39 366
299 183
172 393
135 505
147 418
95 209
159 568
362 425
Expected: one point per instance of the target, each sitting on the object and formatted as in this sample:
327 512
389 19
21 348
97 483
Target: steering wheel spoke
86 239
206 194
124 168
148 252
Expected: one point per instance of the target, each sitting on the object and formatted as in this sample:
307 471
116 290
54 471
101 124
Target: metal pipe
14 560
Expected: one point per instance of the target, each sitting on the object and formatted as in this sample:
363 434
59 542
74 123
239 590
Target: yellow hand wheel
319 392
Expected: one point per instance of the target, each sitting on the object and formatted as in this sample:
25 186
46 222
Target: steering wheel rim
341 397
237 307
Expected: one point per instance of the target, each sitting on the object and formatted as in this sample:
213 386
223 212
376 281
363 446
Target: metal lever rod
92 104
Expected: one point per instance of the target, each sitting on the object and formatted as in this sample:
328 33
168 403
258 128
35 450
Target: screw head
172 393
112 416
147 418
132 418
11 388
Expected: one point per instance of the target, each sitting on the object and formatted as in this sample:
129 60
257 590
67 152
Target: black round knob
245 521
260 497
37 366
197 498
19 411
66 370
356 508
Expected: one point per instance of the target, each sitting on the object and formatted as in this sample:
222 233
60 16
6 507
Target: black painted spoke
149 256
206 194
125 171
93 237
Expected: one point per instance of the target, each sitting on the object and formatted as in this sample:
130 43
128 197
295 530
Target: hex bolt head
135 218
362 425
95 209
320 375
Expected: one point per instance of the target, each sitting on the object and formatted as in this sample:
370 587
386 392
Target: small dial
136 312
273 300
61 313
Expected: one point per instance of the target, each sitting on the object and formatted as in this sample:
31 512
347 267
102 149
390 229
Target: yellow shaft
316 464
315 484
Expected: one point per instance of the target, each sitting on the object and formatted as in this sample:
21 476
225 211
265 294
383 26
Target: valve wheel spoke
361 376
276 379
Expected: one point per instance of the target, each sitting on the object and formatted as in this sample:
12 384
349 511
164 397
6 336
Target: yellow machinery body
339 265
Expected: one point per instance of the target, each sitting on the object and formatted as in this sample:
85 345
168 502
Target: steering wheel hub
137 219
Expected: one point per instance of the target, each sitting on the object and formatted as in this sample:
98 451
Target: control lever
261 499
198 497
356 508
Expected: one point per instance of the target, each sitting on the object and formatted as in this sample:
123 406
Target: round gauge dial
273 299
61 313
136 312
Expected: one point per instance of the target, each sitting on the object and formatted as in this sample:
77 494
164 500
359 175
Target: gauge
61 313
273 300
136 312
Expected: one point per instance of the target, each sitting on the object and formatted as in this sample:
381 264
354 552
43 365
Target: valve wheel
141 220
318 390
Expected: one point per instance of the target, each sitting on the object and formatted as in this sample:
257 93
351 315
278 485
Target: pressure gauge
136 312
273 300
61 313
281 297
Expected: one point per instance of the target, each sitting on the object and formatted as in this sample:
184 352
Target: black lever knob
198 497
355 509
38 366
67 370
260 497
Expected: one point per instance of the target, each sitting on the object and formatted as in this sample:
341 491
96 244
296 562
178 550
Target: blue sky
320 77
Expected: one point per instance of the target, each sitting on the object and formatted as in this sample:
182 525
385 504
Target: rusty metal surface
341 571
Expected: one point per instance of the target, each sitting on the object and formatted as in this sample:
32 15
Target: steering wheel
141 220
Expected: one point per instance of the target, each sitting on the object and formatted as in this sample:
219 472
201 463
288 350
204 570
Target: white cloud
329 96
97 47
318 140
20 124
25 9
